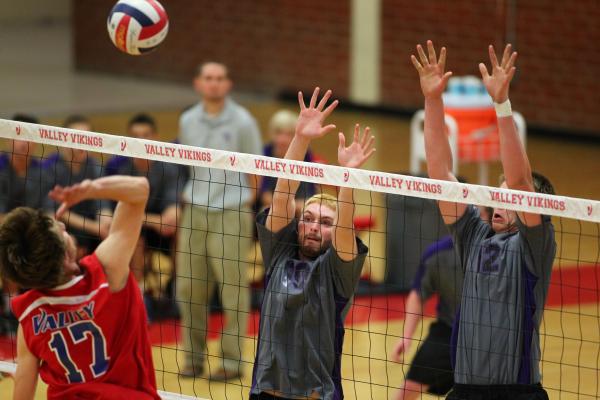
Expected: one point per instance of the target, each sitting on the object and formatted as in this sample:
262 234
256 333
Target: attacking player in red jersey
82 325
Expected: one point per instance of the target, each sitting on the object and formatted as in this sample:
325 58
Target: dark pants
497 392
431 365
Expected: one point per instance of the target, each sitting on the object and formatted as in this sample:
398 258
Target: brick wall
268 45
283 45
557 84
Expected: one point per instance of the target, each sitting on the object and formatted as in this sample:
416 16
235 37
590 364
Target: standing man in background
216 225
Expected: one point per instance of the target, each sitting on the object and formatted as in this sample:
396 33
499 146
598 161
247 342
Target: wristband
503 109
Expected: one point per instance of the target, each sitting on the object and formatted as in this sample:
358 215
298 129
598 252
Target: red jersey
92 343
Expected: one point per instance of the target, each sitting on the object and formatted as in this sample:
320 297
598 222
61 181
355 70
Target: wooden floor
570 334
570 367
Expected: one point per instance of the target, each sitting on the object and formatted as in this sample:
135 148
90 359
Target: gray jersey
301 328
507 276
233 130
440 272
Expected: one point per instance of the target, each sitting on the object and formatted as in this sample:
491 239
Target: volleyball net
396 217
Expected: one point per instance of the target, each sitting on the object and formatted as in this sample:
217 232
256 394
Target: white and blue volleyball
137 26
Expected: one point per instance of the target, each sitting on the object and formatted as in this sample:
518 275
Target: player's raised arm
309 127
116 250
517 171
353 156
437 148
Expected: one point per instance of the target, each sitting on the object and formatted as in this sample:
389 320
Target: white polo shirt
234 129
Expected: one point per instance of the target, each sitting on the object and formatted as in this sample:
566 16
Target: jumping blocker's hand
361 149
69 196
498 83
431 70
311 118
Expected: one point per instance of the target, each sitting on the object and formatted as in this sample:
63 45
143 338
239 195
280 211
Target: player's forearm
285 189
437 147
439 154
413 314
343 232
515 163
24 389
27 370
120 188
253 184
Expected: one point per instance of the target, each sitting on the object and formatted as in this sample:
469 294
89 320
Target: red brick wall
268 45
275 45
557 85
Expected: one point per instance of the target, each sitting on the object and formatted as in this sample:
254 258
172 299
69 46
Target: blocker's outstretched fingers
484 72
313 99
324 100
301 101
422 56
330 108
341 141
365 137
493 58
511 60
416 63
442 60
370 143
327 128
356 134
431 51
506 55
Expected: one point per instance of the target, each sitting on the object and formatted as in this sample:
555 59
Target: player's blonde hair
283 119
324 199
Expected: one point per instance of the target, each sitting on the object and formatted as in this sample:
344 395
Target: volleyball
137 26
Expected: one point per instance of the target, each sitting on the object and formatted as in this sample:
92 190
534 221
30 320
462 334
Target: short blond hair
283 119
324 199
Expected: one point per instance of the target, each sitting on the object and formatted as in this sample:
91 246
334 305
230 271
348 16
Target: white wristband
503 109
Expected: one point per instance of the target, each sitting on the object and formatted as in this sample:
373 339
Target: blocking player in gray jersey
312 269
507 266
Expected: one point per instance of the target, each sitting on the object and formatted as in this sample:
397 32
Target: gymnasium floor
570 331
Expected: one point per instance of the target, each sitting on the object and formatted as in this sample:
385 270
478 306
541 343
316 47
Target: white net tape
560 206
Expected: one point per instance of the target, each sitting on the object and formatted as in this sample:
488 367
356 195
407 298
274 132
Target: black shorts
498 392
431 365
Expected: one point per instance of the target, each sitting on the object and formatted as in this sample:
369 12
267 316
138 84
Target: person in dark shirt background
68 167
166 183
